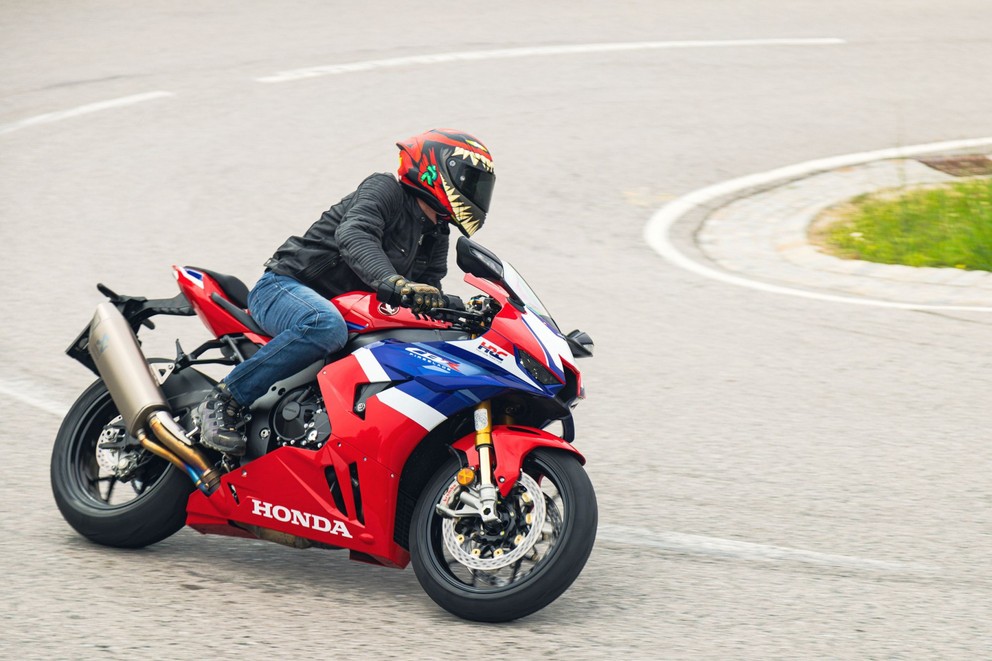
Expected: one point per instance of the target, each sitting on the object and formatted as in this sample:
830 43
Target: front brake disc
468 552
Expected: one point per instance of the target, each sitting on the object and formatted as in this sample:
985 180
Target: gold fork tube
484 446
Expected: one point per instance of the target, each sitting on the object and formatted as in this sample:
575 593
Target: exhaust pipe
138 397
123 367
174 439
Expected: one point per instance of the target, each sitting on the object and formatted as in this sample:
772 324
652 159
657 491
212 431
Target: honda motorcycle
422 441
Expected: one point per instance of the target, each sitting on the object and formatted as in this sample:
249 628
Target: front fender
512 444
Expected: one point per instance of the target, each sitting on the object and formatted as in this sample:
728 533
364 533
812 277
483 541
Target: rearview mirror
480 262
580 343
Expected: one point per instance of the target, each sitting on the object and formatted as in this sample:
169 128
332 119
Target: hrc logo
492 351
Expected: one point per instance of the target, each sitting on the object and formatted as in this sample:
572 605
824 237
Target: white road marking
32 395
60 115
532 51
658 230
677 542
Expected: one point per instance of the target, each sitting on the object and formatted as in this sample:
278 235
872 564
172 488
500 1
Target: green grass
947 226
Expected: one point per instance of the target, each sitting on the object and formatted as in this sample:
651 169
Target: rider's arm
360 234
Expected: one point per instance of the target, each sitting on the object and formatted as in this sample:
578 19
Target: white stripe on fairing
555 345
50 117
374 372
532 51
424 415
198 282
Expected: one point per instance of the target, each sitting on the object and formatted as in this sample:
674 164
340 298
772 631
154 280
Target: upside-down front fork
484 446
477 498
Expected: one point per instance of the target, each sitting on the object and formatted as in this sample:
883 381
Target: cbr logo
492 351
298 518
432 358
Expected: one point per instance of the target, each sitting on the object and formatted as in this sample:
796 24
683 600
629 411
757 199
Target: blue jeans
304 326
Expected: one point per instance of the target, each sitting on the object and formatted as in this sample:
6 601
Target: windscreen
519 287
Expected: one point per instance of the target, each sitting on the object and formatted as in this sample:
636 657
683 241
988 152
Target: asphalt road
778 477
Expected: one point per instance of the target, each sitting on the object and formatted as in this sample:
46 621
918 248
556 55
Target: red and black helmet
452 172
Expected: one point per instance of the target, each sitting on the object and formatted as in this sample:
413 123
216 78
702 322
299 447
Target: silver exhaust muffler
123 367
138 397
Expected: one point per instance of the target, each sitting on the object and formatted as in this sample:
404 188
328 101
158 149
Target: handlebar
477 318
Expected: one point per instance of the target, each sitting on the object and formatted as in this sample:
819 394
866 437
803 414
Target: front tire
148 508
476 573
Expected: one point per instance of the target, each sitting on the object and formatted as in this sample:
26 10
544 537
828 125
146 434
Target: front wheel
499 573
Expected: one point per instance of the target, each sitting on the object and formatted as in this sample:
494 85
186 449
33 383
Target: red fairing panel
512 445
287 490
361 310
198 291
509 332
363 313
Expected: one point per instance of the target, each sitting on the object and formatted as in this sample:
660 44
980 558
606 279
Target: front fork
480 501
484 446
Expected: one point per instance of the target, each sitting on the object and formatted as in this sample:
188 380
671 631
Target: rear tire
153 506
525 585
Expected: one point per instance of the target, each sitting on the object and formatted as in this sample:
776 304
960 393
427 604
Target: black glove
397 290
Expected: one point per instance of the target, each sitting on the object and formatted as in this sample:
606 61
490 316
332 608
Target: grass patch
946 226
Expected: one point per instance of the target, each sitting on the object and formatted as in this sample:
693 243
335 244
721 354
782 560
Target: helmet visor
475 184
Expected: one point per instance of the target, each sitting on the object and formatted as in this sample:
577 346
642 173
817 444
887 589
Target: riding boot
221 422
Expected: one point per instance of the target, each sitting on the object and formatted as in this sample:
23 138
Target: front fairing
523 324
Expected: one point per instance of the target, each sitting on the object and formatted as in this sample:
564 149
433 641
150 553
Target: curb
766 236
752 232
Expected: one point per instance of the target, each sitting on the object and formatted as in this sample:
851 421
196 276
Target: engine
298 419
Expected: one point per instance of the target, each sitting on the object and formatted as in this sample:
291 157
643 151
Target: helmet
452 172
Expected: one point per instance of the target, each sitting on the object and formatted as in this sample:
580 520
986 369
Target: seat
236 290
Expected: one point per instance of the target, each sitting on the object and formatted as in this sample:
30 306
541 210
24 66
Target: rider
389 236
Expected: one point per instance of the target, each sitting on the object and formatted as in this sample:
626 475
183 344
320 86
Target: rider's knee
326 330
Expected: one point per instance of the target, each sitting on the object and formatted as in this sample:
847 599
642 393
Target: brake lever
464 319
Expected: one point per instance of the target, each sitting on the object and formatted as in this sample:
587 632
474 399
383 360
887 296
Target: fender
512 444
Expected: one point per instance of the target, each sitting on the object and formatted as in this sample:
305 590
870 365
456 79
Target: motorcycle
422 441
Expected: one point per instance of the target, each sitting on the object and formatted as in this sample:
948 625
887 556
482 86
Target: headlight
537 371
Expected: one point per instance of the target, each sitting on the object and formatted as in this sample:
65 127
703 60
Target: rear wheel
503 572
108 488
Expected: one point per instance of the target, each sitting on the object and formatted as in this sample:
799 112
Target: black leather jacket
371 234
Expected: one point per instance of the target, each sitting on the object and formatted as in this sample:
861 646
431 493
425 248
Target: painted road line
32 395
682 543
60 115
658 230
532 51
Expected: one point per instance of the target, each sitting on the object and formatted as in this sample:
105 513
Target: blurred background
777 477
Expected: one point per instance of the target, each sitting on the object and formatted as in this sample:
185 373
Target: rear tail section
219 300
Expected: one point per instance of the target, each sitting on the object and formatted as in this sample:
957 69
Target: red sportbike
423 440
